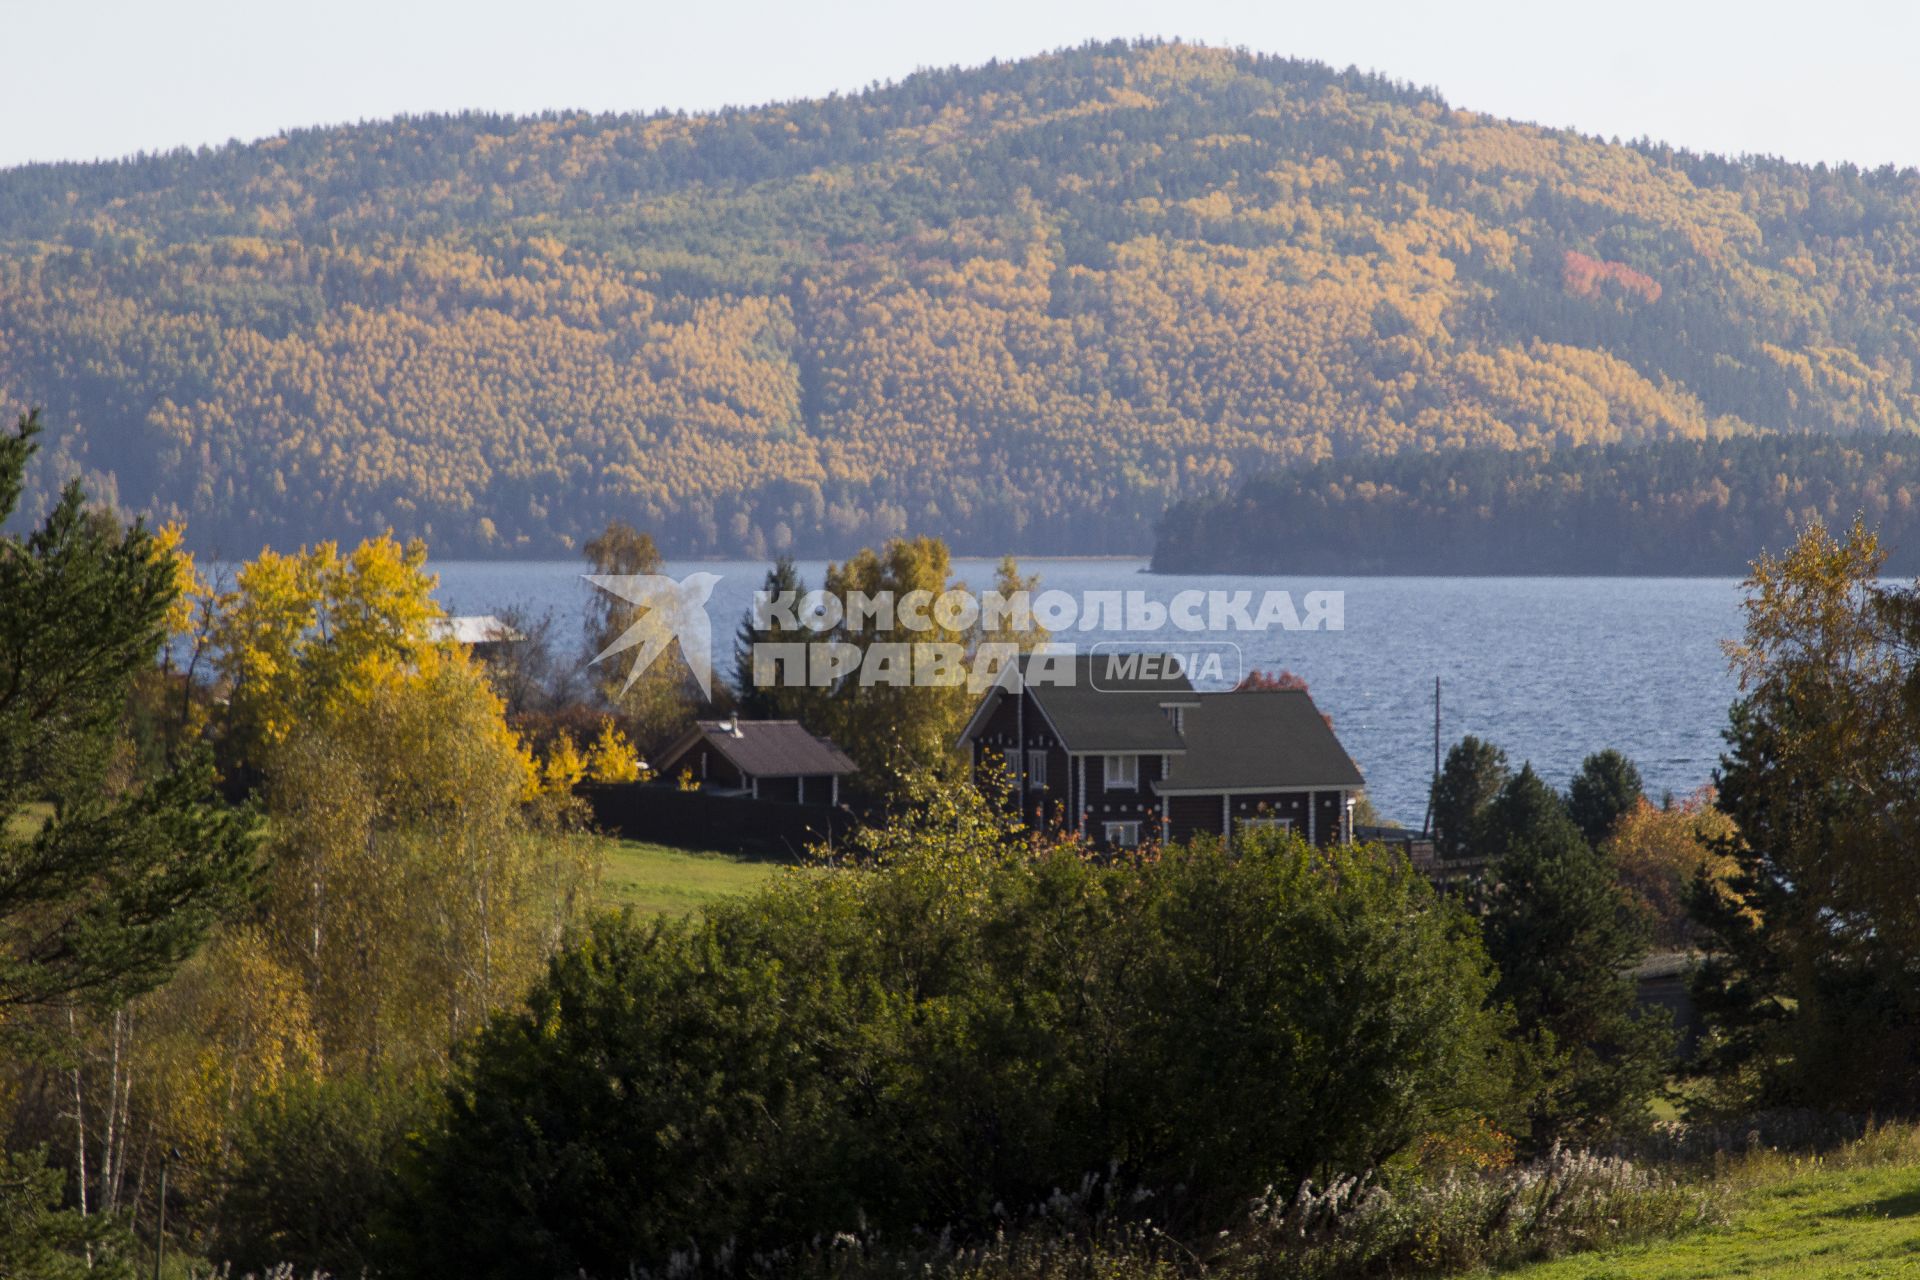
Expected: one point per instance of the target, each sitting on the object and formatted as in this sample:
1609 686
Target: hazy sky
90 78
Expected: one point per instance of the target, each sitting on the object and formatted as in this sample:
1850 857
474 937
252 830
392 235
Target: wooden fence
726 824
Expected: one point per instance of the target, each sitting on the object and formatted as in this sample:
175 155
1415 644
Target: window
1266 824
1036 769
1123 773
1123 835
1012 755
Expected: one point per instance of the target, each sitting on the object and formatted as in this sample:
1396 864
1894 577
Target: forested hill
1675 507
1023 305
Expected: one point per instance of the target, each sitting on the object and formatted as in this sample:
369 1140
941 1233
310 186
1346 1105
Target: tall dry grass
1373 1226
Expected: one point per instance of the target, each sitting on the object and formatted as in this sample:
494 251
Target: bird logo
666 611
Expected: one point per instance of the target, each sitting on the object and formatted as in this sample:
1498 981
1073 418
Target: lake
1548 668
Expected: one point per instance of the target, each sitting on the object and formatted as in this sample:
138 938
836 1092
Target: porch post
1080 805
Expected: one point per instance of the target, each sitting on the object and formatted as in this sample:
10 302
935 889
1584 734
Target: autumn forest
1023 306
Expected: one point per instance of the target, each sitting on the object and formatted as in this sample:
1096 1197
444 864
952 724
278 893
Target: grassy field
647 877
654 878
28 820
1808 1221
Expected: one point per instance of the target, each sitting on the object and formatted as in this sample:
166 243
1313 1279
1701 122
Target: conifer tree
110 877
1605 790
760 701
1472 776
105 885
1566 939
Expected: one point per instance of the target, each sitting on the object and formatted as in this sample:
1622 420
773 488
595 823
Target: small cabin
764 759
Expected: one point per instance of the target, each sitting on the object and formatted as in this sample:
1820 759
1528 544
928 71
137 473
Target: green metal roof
1260 740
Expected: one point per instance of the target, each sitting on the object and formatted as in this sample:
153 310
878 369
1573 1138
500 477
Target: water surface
1549 668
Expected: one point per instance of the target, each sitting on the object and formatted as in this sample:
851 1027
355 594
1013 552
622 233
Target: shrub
41 1238
313 1173
917 1045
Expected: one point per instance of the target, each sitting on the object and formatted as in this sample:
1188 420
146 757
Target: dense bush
42 1238
313 1173
918 1046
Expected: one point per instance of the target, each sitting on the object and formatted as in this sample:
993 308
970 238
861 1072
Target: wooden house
1123 752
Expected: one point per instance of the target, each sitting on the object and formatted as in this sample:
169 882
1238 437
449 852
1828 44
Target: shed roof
481 628
764 749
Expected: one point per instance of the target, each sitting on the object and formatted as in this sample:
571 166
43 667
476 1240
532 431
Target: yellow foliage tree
1018 627
415 883
612 758
300 632
1659 851
564 768
897 724
191 589
658 704
233 1023
413 888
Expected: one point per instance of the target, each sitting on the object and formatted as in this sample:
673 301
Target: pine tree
760 701
107 883
1566 939
105 887
1469 781
1606 788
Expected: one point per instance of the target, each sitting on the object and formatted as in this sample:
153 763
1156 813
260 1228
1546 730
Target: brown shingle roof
764 749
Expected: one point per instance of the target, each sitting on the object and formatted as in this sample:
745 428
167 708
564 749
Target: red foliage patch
1586 277
1257 679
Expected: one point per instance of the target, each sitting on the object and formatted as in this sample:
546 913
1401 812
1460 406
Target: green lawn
1821 1224
28 820
654 878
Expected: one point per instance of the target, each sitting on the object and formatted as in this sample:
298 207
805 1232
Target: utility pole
1426 826
160 1229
